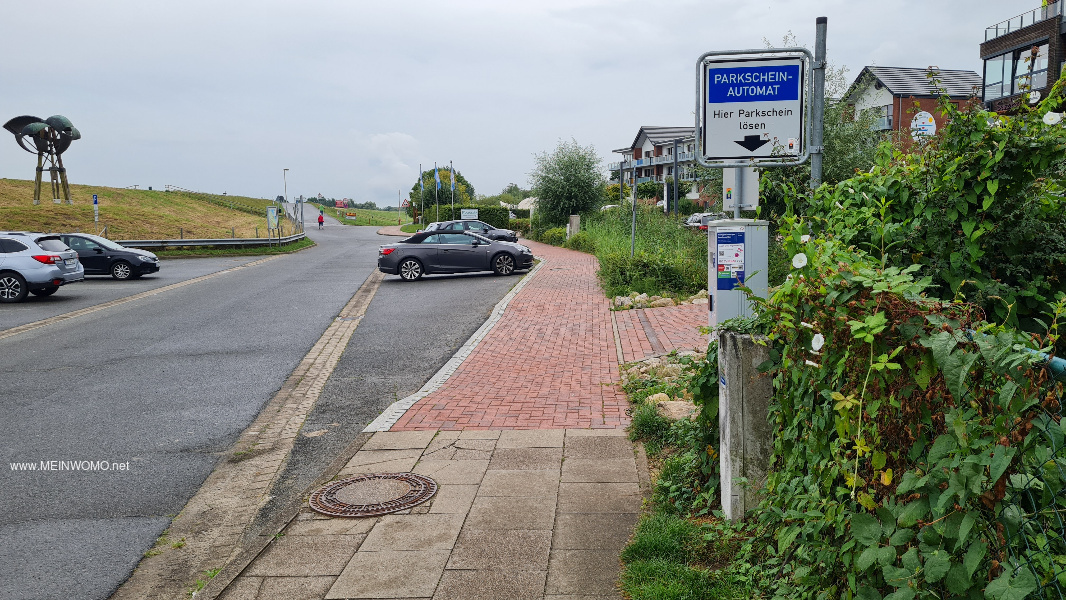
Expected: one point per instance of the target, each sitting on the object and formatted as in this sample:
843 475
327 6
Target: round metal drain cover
373 495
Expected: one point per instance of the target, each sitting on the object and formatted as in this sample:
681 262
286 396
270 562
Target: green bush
520 213
582 242
520 225
665 537
555 236
648 425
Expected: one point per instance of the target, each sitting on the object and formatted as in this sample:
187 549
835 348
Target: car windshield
432 227
106 243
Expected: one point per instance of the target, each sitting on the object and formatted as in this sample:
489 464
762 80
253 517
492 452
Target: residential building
652 153
1022 53
889 95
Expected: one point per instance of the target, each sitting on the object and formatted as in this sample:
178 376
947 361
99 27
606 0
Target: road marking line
392 414
91 309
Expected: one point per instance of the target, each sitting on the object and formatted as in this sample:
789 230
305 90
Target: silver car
35 263
447 252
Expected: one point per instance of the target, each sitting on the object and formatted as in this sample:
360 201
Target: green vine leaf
866 529
1008 587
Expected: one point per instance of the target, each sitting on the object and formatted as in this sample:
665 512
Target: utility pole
451 168
817 103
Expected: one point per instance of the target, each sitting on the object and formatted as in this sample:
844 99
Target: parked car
35 263
479 227
101 256
447 252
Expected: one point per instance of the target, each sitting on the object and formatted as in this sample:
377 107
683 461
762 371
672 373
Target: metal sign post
96 214
751 111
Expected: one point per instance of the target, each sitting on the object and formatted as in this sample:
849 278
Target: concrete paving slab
520 483
295 588
583 572
599 498
453 499
399 440
514 550
414 532
587 470
531 438
372 457
334 526
302 555
502 513
476 434
245 588
403 465
527 459
598 447
453 471
491 585
593 531
390 574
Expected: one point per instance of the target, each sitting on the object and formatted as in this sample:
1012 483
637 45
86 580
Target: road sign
747 192
96 209
272 217
752 107
468 213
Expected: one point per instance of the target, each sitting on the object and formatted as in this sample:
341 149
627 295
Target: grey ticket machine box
736 253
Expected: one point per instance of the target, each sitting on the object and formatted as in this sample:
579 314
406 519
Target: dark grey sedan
438 252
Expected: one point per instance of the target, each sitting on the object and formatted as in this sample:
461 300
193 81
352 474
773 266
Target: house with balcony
894 96
652 154
1023 53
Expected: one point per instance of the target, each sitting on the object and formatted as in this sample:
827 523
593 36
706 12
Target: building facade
1021 54
652 154
901 98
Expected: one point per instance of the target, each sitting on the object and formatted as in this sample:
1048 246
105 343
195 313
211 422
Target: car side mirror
99 250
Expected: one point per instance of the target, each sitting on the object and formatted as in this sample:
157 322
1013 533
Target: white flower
817 342
807 325
805 238
799 261
812 364
1052 118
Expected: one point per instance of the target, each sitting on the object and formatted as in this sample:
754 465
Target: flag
436 175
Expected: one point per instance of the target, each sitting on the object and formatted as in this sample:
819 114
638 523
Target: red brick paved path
550 362
674 327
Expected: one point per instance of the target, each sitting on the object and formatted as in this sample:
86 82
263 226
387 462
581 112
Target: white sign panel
468 213
748 193
753 108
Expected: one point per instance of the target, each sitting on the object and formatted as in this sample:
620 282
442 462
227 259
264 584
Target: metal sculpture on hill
51 137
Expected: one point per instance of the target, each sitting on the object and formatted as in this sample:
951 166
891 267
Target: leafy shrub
647 425
919 453
520 213
665 537
610 193
520 226
582 242
497 216
555 236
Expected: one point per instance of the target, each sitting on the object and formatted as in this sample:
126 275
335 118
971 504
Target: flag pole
451 167
421 193
436 188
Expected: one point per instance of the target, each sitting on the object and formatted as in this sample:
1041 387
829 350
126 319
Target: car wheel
48 291
410 270
121 270
12 287
503 264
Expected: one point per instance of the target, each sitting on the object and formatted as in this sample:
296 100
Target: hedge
497 216
520 213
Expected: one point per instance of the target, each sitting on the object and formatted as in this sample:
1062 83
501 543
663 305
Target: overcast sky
351 96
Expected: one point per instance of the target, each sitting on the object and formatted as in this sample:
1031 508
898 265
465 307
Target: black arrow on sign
752 142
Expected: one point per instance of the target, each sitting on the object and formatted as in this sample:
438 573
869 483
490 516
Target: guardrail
239 242
1025 19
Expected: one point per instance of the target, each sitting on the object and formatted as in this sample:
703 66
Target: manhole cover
373 495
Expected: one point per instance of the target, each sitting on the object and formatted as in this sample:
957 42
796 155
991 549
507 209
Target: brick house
889 95
1020 53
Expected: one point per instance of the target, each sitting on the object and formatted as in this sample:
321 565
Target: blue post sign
96 209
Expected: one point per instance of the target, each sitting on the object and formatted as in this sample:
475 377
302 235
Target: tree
464 190
567 181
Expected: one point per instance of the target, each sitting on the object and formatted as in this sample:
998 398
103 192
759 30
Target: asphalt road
167 383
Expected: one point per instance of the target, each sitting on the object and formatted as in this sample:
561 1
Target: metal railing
1025 19
655 160
238 242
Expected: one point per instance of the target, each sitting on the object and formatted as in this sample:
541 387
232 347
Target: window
432 239
669 170
1008 74
880 117
11 246
455 238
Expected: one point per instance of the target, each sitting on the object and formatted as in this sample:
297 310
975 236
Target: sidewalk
539 487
